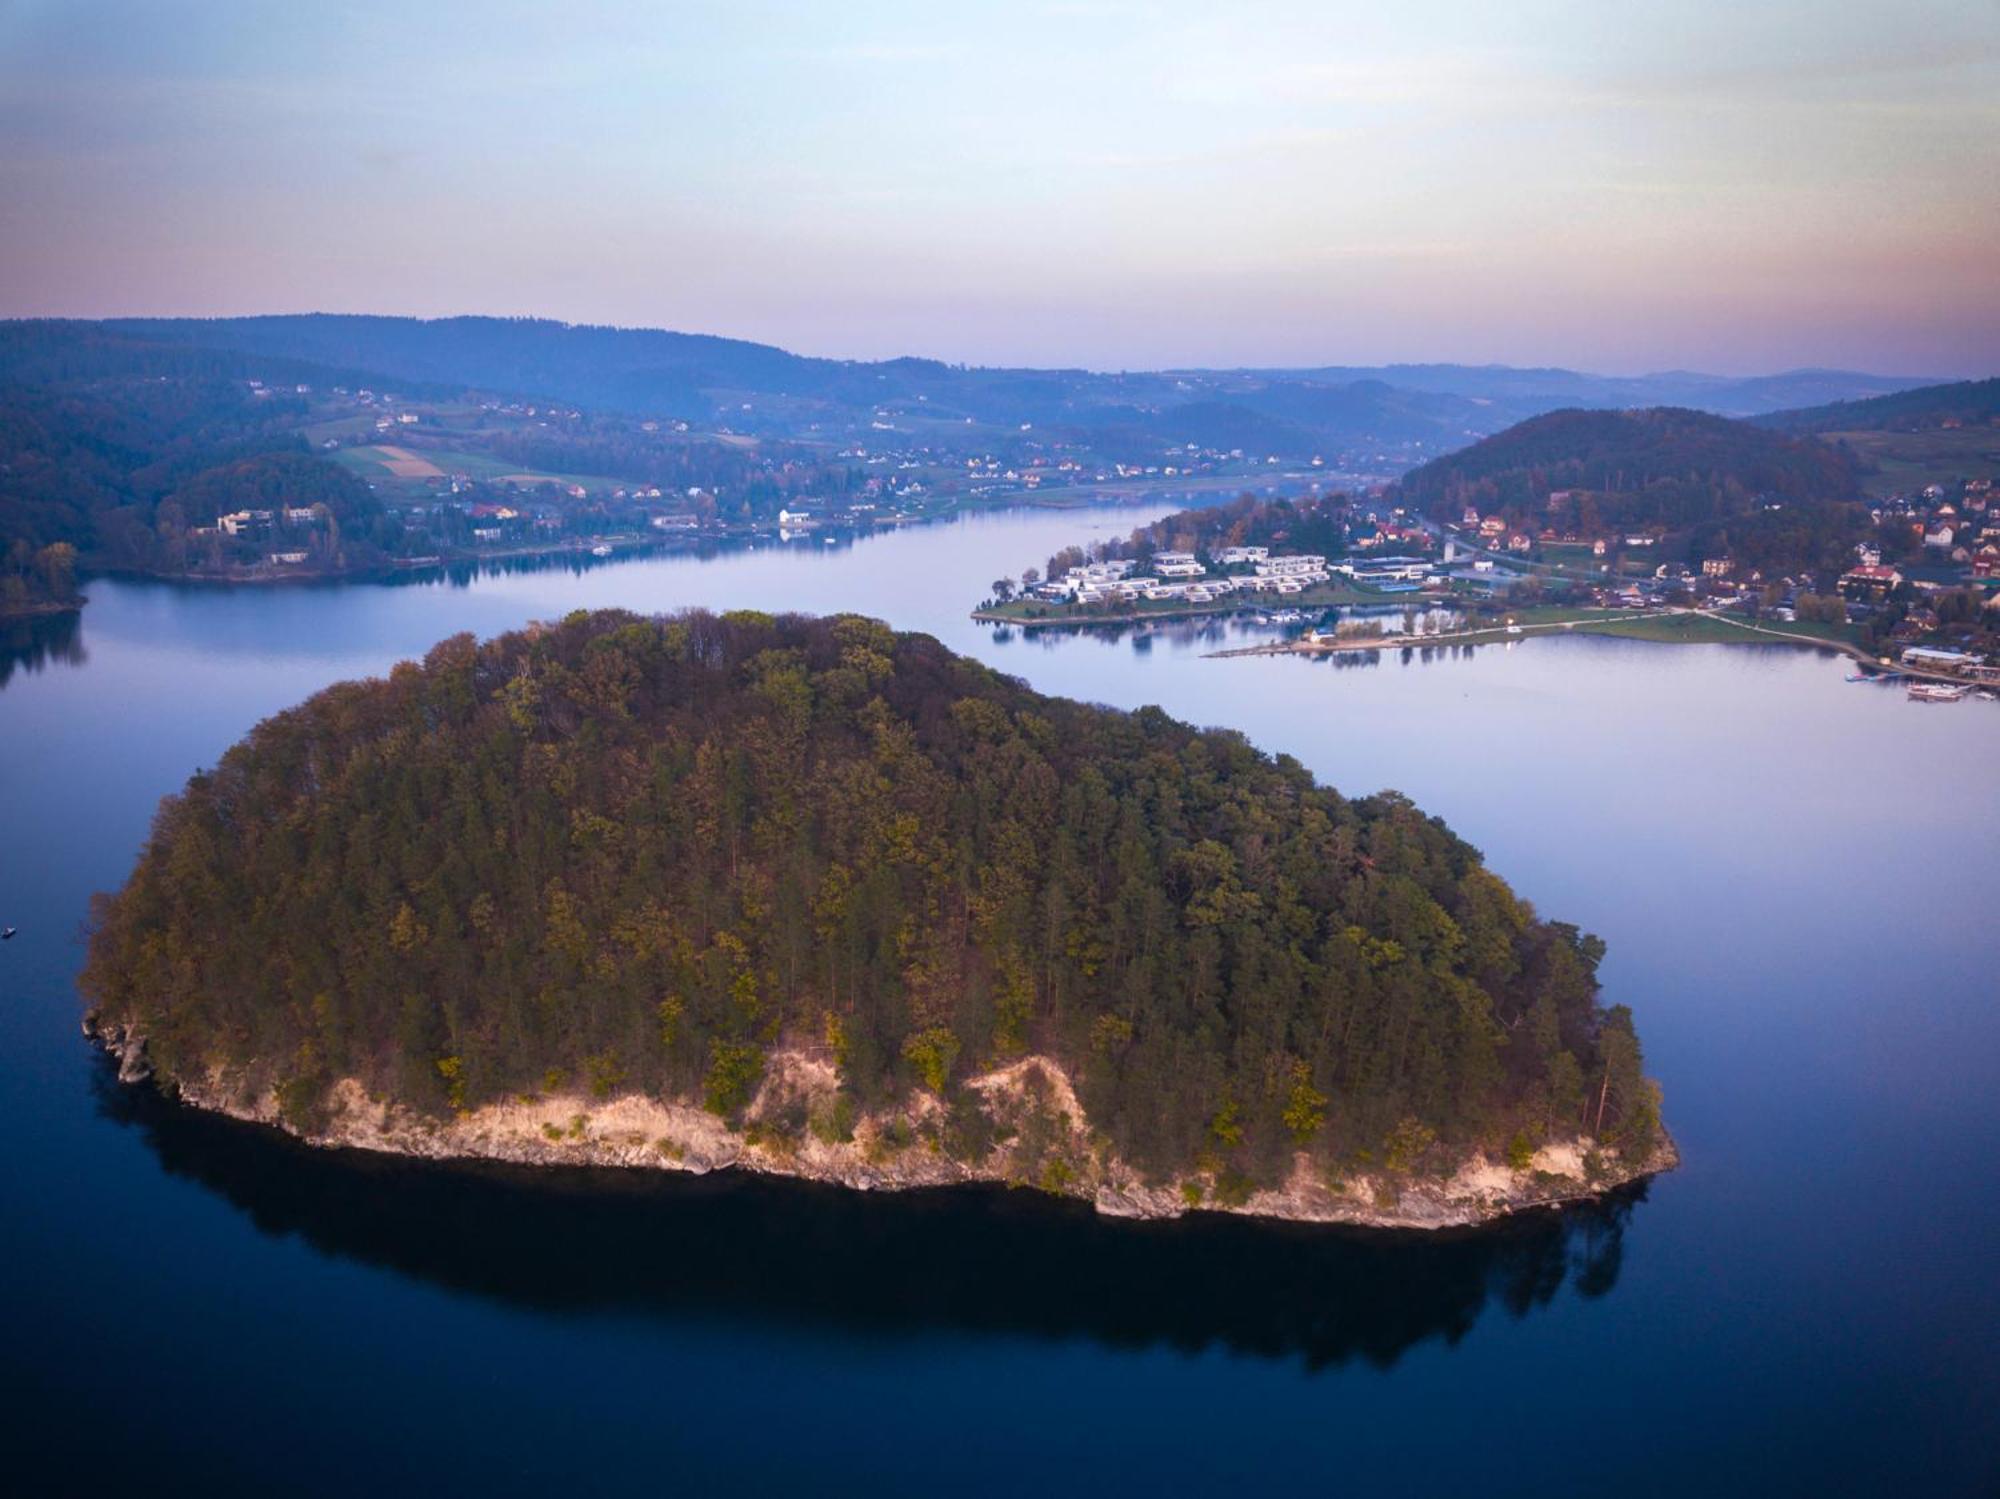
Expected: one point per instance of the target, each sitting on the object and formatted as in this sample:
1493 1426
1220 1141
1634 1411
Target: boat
1935 692
600 550
7 935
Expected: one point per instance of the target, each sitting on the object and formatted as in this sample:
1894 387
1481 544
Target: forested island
813 897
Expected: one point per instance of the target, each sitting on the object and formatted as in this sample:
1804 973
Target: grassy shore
1702 629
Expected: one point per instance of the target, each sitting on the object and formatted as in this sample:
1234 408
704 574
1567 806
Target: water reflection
463 572
967 1260
41 640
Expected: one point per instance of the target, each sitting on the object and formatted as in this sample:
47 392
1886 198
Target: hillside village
1922 594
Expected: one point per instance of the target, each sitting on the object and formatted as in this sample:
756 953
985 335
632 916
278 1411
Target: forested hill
1769 499
644 853
1964 403
120 467
770 391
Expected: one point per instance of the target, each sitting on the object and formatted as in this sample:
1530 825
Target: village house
1300 569
1937 658
242 521
1241 556
1869 582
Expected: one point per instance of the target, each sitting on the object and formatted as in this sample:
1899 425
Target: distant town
1933 614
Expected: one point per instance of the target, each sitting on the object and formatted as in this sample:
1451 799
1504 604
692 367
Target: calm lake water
1797 878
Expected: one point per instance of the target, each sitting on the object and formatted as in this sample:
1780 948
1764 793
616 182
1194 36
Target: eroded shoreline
891 1152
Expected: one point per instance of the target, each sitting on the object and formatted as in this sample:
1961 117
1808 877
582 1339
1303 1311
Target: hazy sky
1619 184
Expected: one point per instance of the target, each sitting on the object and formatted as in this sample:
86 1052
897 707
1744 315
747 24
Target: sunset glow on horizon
1735 188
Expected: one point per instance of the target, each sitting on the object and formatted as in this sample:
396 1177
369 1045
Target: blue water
1796 877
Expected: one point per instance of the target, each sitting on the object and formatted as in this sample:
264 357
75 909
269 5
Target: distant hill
1519 393
1727 487
760 388
613 367
1964 403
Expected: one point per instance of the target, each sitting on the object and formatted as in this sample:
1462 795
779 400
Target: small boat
1935 692
7 935
600 550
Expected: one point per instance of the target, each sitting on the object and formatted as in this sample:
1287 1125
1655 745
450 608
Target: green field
1702 629
376 465
1576 558
1907 461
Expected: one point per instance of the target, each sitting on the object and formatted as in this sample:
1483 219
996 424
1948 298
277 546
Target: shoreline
45 610
374 572
642 1133
1501 635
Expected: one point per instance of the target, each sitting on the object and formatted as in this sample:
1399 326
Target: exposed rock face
124 1043
1030 1099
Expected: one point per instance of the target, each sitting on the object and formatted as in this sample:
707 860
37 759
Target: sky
1729 185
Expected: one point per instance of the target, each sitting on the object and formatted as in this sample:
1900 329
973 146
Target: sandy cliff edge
892 1151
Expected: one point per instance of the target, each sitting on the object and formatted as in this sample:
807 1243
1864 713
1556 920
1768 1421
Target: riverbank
1666 627
44 608
268 576
1035 614
895 1151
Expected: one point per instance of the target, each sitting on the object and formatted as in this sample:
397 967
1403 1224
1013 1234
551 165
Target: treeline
1770 501
34 580
124 470
639 854
1963 403
1315 523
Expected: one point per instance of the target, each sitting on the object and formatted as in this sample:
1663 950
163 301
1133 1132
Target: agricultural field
394 463
1907 461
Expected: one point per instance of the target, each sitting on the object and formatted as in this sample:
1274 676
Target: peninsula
812 897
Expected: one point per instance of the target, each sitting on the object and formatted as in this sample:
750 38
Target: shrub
832 1119
734 1070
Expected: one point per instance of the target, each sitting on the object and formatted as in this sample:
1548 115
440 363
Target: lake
1797 880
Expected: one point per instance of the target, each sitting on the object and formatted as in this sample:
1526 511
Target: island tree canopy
629 853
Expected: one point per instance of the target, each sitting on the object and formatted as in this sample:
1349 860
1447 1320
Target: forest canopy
1771 501
640 854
